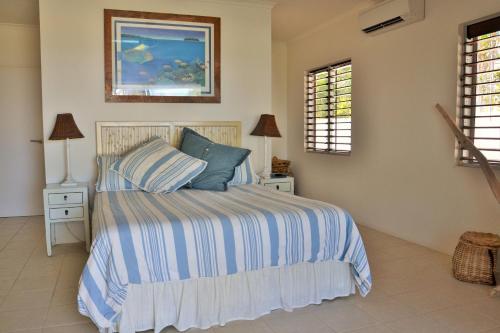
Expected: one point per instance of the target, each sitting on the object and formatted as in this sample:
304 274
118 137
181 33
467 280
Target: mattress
142 238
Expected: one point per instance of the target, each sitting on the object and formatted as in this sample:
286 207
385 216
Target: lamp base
68 184
265 175
68 181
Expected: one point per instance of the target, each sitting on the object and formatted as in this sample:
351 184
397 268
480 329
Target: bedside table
285 184
65 204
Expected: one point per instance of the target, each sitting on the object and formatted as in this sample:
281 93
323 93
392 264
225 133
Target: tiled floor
413 292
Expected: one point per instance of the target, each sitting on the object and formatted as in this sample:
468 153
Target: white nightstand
284 184
65 204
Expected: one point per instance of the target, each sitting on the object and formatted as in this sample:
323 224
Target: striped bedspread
142 237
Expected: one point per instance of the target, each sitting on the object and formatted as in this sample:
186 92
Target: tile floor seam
57 280
490 329
19 274
25 329
375 325
52 297
45 318
346 331
440 308
267 325
15 234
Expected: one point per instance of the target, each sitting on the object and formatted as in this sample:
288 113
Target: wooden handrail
469 145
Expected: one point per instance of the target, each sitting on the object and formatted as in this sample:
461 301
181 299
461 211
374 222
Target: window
480 80
328 109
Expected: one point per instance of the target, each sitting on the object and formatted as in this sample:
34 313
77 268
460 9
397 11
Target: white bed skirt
206 302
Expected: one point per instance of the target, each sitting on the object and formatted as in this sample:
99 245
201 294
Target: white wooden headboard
116 138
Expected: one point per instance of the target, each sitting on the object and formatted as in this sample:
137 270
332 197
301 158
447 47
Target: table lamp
65 129
267 128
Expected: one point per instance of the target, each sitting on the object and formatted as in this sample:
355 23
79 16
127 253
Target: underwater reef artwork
155 57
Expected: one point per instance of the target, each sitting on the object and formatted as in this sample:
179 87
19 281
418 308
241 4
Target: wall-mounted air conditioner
391 14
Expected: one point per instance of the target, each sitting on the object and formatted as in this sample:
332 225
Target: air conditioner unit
391 14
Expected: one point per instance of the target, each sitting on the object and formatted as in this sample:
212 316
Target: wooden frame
116 138
489 174
109 14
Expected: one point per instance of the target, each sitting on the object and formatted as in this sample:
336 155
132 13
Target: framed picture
159 57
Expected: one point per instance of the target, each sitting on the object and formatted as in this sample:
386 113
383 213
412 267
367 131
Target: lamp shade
266 127
65 128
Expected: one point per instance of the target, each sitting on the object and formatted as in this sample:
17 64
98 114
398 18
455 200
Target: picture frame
161 57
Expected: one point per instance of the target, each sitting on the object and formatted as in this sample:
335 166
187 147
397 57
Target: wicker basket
474 259
280 166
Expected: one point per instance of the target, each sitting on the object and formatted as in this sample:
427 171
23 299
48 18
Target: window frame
328 67
460 152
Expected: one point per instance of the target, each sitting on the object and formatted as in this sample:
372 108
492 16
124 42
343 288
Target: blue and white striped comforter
143 237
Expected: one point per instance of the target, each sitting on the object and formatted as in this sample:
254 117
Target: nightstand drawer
65 198
65 213
283 187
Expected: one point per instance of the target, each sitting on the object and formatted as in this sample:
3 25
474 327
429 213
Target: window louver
328 109
480 109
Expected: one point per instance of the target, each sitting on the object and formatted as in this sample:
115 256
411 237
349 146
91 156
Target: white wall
401 177
73 74
21 162
279 85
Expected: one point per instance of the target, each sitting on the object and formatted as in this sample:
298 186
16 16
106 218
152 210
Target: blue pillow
158 167
222 160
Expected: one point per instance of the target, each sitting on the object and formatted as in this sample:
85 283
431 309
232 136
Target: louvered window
328 109
480 110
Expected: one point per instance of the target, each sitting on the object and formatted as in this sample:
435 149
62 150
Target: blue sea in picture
163 57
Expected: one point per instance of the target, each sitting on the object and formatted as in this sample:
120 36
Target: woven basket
280 166
475 256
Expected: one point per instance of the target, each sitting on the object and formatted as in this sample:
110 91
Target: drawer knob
66 212
65 197
277 187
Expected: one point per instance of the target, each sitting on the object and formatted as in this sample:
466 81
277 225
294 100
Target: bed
200 258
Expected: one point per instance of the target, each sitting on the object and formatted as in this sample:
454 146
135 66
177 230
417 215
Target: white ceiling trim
245 3
322 25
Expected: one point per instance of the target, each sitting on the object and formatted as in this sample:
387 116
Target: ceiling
291 18
19 11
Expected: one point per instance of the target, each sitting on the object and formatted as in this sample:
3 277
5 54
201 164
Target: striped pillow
108 181
244 174
158 167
